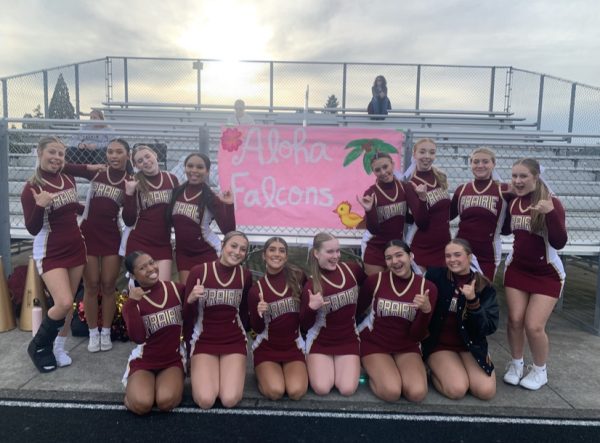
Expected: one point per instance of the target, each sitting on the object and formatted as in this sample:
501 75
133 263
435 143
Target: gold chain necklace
118 181
185 197
392 199
410 282
333 284
224 285
165 297
484 190
159 184
280 294
62 182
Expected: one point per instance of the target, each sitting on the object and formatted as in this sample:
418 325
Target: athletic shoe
94 344
513 374
534 379
62 358
105 343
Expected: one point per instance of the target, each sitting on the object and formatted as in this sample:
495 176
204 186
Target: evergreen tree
37 113
332 102
60 105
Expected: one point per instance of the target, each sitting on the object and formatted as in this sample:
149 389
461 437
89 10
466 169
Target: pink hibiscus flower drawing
231 139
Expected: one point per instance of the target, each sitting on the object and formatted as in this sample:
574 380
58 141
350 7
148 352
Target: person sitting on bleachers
240 117
90 148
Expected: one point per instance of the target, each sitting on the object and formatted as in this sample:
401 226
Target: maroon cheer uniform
195 241
481 205
385 220
278 336
428 244
331 329
100 224
57 242
155 323
534 266
215 324
145 212
393 324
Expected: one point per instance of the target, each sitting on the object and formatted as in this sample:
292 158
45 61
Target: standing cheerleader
153 317
213 327
192 208
400 309
274 306
327 313
386 204
428 243
50 208
100 228
534 275
147 197
456 349
481 205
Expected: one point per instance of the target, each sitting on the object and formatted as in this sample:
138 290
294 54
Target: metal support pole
344 78
597 310
540 102
4 205
197 65
46 94
77 107
271 71
125 80
4 98
492 86
572 107
418 93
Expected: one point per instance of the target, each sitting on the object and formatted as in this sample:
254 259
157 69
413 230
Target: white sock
94 332
59 342
105 331
540 368
518 361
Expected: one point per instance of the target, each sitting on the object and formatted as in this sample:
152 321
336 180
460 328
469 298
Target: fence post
4 98
125 80
344 74
77 108
572 107
597 310
45 93
4 200
271 70
492 86
540 102
197 65
418 93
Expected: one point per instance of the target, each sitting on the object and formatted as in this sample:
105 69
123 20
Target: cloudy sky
558 37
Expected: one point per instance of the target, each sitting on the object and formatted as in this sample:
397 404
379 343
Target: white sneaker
94 343
105 343
62 358
534 379
514 373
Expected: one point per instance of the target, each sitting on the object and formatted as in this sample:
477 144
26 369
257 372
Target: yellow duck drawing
349 219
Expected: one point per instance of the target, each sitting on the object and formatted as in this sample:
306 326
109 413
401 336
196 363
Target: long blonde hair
313 263
541 192
36 179
439 175
140 176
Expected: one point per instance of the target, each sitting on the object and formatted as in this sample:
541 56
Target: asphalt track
22 421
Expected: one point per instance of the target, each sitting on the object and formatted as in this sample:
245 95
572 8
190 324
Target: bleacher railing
552 103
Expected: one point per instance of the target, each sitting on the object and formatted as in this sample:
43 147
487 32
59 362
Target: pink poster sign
293 176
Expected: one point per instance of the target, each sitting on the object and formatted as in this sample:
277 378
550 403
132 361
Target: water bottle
36 316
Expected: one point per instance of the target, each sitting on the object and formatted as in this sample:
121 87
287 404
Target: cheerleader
428 243
481 205
147 197
215 313
327 313
386 204
274 306
534 275
100 228
192 208
152 313
50 210
400 309
456 349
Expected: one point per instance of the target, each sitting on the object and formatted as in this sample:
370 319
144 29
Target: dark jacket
476 320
